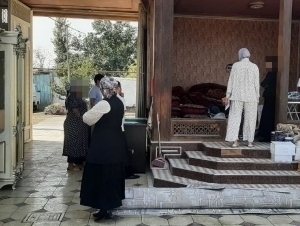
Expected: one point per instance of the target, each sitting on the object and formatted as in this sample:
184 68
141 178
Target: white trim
177 142
298 55
229 18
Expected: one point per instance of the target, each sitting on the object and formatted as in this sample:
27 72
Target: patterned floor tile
253 219
154 221
126 221
235 219
74 222
44 217
78 214
279 219
195 224
17 223
181 220
12 201
206 220
7 220
8 208
167 217
47 187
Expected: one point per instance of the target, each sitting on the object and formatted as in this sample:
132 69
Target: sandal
250 145
235 145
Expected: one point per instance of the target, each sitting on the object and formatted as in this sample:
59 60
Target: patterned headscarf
244 53
108 87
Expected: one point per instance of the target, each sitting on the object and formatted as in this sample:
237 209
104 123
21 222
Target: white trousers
234 120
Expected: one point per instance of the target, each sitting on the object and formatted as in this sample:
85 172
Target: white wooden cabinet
12 52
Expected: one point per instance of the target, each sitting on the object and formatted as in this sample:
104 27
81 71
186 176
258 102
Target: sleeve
92 94
257 85
266 81
230 81
124 102
92 116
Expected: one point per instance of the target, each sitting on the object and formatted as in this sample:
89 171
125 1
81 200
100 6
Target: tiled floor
48 195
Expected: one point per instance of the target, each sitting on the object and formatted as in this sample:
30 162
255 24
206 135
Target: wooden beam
163 64
284 45
85 14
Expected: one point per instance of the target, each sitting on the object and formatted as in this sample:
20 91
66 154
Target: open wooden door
142 88
21 19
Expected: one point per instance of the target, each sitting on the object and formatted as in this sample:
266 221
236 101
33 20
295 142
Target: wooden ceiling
128 9
235 8
89 9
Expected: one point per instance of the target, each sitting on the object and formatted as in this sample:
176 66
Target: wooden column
284 45
162 65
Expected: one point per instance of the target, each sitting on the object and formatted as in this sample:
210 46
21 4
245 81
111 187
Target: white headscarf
108 87
244 53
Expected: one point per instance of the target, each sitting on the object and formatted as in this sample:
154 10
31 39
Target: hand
76 112
226 101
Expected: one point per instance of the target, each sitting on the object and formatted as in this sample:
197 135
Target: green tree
112 46
132 70
61 39
79 68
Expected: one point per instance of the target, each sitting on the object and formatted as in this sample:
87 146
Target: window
4 14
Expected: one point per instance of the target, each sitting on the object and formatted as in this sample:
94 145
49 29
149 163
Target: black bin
135 132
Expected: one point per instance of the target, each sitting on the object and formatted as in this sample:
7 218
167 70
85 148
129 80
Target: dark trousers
90 135
267 121
128 169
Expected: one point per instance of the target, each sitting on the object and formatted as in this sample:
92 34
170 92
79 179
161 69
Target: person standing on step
267 121
103 180
243 94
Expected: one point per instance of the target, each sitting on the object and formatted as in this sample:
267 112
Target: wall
203 48
129 90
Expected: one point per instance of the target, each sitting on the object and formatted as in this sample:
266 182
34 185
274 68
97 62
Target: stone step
224 150
180 167
164 178
198 158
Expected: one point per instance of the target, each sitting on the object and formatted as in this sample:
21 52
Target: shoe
101 215
235 145
96 214
133 176
250 145
108 215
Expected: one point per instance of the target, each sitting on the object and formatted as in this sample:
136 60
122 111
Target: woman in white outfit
243 93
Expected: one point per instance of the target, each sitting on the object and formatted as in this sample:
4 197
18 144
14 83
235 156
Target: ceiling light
257 5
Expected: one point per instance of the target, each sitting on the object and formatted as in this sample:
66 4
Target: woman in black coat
267 121
103 181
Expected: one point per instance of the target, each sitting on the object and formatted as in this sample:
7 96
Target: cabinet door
8 130
3 123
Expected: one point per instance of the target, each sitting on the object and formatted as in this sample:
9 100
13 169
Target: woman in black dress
103 181
75 130
267 121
